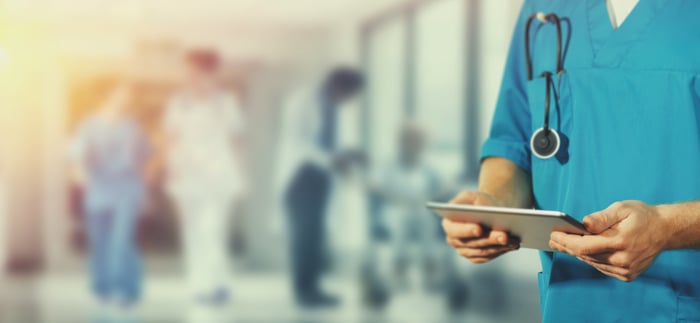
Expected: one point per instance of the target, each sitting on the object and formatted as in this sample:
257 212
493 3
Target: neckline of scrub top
610 45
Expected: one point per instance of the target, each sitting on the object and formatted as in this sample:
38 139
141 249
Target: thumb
600 221
466 198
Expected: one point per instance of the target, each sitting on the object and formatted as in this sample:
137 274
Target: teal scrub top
628 112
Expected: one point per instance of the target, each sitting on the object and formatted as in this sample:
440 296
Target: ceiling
260 30
267 13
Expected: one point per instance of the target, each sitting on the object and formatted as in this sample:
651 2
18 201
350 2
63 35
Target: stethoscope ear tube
544 19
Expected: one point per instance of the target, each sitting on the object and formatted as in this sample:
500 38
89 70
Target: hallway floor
257 298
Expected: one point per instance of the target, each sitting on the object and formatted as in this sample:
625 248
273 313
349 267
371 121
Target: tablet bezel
566 223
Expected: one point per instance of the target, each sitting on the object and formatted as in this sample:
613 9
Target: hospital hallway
257 297
314 134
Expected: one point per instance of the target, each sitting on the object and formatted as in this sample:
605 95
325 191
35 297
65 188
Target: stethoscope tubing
545 129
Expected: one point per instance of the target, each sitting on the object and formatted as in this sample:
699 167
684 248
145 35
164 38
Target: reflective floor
265 297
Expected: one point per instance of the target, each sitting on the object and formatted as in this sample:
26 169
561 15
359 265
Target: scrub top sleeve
510 128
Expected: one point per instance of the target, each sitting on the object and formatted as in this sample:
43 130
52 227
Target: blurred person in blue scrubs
626 105
109 152
204 127
309 160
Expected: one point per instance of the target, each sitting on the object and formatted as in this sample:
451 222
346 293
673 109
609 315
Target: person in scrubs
109 152
627 110
204 128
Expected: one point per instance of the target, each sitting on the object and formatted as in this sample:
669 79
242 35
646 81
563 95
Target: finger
478 243
499 237
562 248
494 238
556 246
481 260
483 252
607 273
595 222
604 266
461 230
602 220
473 198
583 245
618 259
481 256
602 258
619 273
465 198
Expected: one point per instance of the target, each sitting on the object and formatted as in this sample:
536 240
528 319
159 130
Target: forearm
681 224
506 182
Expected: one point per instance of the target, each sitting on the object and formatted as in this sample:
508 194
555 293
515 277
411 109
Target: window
439 83
385 66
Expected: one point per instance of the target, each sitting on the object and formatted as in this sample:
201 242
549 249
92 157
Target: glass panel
440 83
386 88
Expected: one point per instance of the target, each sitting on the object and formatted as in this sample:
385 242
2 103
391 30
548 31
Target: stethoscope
545 141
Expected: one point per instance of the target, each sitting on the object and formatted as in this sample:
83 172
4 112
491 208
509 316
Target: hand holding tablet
472 240
531 228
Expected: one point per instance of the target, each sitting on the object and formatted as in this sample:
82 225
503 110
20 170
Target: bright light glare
3 57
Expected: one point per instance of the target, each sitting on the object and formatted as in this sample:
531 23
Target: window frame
471 103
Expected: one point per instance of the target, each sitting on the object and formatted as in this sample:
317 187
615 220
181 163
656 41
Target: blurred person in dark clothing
310 159
109 152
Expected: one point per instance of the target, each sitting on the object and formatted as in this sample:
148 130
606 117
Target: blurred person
203 126
405 234
109 152
309 160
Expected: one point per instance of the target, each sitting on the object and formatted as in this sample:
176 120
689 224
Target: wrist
668 226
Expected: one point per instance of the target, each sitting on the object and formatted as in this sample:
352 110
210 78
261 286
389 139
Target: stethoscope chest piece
545 143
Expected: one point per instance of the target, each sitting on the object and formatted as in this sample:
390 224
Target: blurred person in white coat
204 129
308 161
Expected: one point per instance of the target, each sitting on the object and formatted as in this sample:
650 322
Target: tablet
531 226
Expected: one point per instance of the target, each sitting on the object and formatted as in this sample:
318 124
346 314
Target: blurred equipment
407 244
